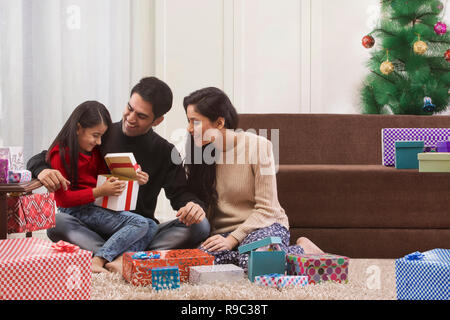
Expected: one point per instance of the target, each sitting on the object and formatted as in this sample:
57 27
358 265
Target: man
150 99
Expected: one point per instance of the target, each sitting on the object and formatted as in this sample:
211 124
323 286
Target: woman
234 173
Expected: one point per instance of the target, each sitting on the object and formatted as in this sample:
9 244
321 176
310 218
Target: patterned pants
241 260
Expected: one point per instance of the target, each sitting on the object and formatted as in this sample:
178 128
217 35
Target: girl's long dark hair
201 177
88 114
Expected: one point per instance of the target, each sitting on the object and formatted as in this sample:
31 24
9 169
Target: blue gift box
406 154
264 262
165 278
423 276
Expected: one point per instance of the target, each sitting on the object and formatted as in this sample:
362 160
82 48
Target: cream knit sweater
247 188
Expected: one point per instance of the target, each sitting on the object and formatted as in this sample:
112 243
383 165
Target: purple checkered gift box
4 167
389 135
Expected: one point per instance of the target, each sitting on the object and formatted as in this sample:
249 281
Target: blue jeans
126 231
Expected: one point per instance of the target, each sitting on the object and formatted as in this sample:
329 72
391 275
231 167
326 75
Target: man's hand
53 180
191 213
142 177
219 243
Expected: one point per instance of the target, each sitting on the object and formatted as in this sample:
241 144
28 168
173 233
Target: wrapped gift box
389 135
443 146
319 267
4 168
30 212
139 271
434 162
423 276
430 149
218 272
264 262
36 269
15 157
406 154
17 176
124 167
281 281
165 278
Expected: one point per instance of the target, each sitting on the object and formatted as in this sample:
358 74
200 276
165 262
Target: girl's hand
219 243
111 187
142 177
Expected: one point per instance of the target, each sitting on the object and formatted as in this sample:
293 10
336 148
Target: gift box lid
435 256
319 260
257 244
122 164
409 144
434 156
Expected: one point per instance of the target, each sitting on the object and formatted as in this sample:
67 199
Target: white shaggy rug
368 280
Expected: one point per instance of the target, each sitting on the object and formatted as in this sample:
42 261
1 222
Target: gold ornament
420 47
387 67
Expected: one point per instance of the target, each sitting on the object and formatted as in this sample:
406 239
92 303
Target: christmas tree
410 61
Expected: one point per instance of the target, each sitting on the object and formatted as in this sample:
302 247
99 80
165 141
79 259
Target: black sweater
153 154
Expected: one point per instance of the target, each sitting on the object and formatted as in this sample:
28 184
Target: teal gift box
264 262
406 154
423 275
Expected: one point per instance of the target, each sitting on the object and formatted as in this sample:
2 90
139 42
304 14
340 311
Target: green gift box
434 162
406 154
264 262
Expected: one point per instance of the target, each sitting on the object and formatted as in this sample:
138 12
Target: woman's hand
111 187
219 243
142 177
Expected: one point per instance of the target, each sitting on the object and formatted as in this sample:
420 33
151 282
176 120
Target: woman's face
89 138
201 128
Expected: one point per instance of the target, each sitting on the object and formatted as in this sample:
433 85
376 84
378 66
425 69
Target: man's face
138 117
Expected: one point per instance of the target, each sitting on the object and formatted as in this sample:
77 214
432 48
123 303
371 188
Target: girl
235 177
75 153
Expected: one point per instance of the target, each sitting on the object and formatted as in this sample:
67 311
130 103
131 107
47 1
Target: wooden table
24 187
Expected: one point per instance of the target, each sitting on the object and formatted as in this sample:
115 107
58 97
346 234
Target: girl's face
89 138
201 128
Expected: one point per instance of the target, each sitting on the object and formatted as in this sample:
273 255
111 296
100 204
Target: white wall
287 56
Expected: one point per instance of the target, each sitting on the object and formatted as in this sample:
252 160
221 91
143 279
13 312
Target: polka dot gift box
319 267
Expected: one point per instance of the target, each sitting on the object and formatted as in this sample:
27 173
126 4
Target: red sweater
89 167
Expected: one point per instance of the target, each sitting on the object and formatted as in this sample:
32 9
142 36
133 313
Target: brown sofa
336 192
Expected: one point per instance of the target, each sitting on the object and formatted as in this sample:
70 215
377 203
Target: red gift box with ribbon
36 269
139 271
31 212
124 167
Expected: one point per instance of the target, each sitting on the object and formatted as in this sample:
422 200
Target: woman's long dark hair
88 114
201 177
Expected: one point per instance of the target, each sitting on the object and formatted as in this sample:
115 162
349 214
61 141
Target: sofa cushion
363 196
374 243
333 138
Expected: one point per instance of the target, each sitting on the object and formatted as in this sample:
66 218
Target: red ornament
368 42
447 55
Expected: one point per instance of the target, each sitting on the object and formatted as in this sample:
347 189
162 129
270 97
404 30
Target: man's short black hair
156 92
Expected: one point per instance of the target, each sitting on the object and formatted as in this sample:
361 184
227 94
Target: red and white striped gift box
36 269
124 167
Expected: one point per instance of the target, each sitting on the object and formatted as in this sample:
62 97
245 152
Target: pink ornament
440 28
